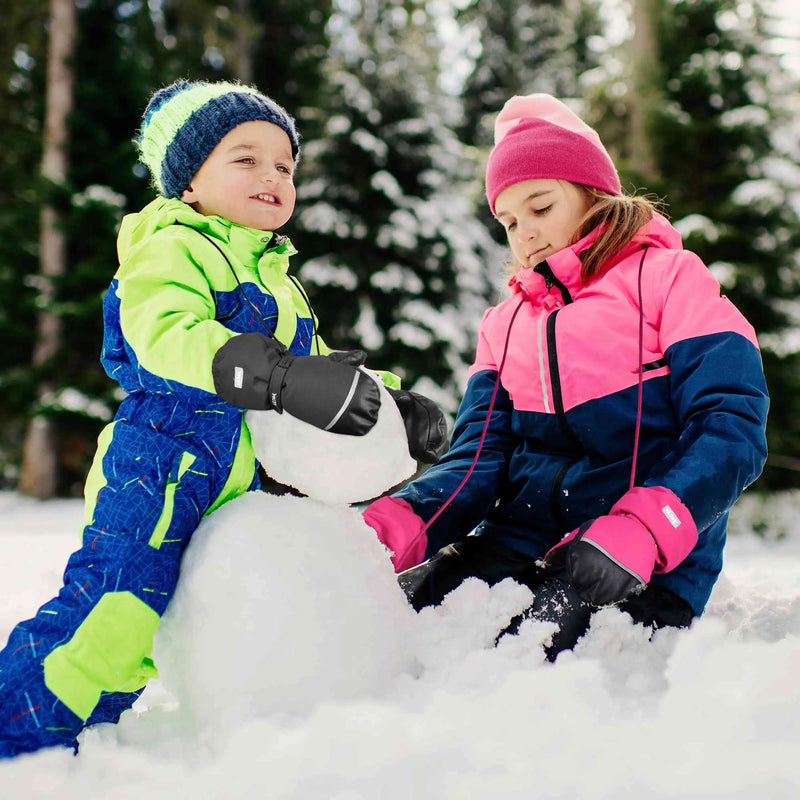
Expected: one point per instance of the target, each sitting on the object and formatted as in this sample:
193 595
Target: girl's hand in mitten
426 427
399 529
253 371
649 530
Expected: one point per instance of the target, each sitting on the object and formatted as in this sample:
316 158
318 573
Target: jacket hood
163 212
566 263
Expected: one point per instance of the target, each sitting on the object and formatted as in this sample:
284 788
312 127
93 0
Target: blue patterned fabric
165 461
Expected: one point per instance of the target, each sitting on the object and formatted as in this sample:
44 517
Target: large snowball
331 467
283 602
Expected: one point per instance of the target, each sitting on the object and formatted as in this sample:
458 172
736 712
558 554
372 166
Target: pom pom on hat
184 122
537 136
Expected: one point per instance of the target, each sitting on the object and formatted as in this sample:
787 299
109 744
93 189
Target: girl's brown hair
621 216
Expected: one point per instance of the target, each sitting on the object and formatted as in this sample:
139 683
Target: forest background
697 101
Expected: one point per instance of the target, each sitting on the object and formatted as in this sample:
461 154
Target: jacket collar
565 265
248 245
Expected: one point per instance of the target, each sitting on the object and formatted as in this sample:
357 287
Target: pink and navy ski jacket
560 443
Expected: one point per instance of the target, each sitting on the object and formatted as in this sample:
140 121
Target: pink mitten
398 528
648 530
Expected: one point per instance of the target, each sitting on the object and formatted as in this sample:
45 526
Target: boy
201 321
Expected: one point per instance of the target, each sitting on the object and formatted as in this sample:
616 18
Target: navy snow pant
85 656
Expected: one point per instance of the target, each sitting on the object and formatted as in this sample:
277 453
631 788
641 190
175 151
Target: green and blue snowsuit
174 452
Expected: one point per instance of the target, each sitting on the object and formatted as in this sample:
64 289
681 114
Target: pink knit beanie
537 136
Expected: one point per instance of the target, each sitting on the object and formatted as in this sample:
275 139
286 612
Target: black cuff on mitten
253 371
243 367
276 381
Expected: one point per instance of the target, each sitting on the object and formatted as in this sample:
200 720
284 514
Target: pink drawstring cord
497 386
641 377
485 424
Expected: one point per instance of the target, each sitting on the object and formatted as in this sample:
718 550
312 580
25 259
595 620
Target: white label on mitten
671 516
238 377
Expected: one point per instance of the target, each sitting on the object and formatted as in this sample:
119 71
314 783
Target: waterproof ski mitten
648 530
253 371
426 427
399 529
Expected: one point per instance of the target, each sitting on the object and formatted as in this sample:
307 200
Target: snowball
332 467
283 602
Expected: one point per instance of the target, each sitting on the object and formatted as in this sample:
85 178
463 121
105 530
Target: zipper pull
550 280
278 243
543 268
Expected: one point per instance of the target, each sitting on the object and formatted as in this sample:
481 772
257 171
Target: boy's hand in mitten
355 358
426 427
648 530
253 371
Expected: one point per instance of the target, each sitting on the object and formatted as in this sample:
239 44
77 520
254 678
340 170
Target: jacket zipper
555 381
558 409
545 270
550 280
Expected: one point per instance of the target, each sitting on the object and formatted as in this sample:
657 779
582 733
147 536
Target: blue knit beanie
184 122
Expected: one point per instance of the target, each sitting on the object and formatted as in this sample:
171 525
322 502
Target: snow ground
713 712
293 669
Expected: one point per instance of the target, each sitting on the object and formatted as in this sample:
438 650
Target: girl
614 413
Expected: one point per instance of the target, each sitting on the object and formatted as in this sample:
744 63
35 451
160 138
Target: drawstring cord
638 427
485 424
639 402
314 332
235 277
300 289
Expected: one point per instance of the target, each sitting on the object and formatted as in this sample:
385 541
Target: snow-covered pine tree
519 48
717 118
391 250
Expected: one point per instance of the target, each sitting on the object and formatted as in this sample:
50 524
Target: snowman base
284 601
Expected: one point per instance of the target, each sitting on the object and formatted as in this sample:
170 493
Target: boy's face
247 178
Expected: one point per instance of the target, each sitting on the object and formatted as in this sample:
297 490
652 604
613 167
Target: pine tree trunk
39 472
645 91
245 31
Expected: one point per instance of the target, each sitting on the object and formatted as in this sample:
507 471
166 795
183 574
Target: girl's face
541 217
247 178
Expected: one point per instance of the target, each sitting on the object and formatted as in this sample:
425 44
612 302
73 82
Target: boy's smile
247 178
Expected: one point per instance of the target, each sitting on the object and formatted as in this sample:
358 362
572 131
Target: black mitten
426 427
253 371
242 368
355 358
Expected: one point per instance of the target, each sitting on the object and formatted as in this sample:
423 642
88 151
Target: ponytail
621 217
